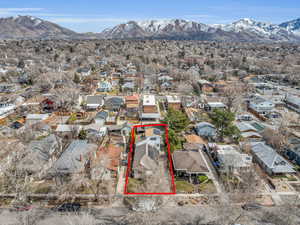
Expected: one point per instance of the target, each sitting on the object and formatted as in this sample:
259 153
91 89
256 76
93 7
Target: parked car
68 207
251 206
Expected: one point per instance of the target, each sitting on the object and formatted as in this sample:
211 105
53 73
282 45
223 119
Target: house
173 102
205 129
95 130
251 136
165 78
205 86
84 71
132 106
293 102
149 104
293 151
245 117
270 160
189 163
166 86
154 140
145 159
74 159
128 86
40 154
152 131
248 132
149 108
116 75
48 105
67 130
94 102
101 117
230 159
103 74
7 88
35 118
260 105
6 109
132 100
104 86
210 106
245 127
113 103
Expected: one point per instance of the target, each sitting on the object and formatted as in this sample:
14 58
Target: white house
6 109
35 118
261 105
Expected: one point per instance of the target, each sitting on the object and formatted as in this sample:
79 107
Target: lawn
133 185
207 187
184 186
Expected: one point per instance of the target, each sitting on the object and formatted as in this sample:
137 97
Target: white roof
173 99
37 116
216 104
149 100
66 128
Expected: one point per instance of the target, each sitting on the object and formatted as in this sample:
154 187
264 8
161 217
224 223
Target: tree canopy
223 120
176 120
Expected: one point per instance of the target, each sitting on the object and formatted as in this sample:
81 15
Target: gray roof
204 124
96 99
270 158
244 126
145 155
251 134
293 99
101 115
150 115
39 153
128 85
70 161
83 70
114 101
189 161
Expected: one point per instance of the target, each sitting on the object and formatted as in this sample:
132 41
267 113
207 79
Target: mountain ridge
246 30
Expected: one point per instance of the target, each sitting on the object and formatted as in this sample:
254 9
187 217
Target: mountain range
248 30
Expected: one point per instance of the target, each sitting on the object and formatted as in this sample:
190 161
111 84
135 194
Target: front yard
201 184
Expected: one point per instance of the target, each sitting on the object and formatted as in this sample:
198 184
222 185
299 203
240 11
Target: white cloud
14 11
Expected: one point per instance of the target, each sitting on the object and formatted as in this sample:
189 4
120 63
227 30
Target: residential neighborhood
149 125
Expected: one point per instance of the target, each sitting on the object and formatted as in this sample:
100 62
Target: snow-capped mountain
241 30
174 25
261 29
29 27
292 26
125 30
246 30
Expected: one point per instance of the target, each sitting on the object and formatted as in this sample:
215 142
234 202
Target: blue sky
96 15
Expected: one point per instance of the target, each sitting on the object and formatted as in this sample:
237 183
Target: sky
96 15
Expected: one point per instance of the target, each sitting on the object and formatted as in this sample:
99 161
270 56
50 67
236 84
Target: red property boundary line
173 187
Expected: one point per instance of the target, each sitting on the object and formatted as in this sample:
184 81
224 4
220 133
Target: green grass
72 118
184 186
292 179
279 177
202 178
